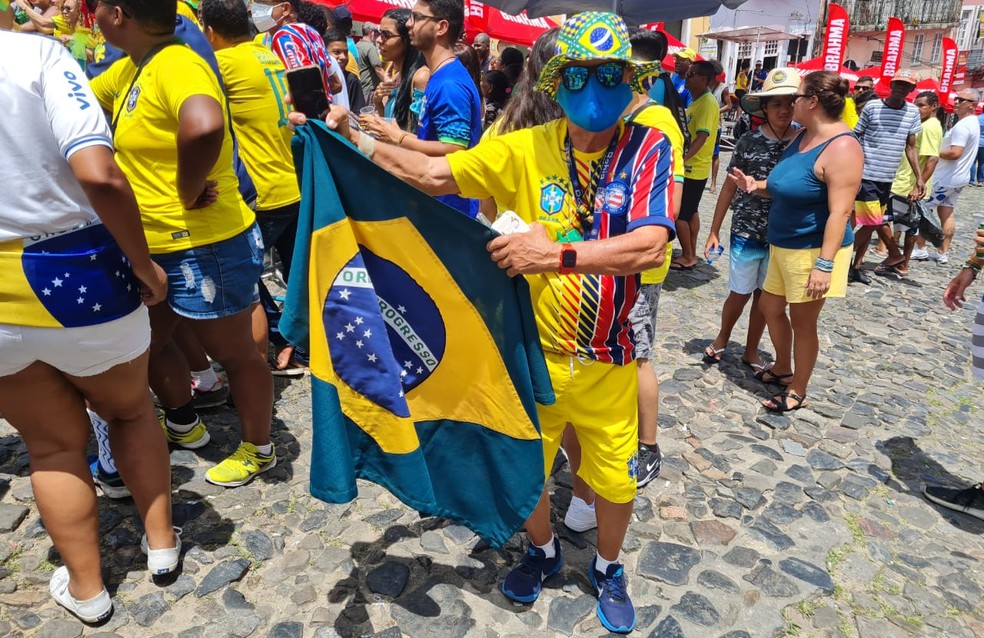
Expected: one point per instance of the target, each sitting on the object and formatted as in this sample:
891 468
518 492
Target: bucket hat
590 36
781 81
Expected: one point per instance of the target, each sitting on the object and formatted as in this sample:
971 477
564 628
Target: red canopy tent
816 64
929 84
479 18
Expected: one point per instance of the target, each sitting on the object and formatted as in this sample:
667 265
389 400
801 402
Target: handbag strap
136 76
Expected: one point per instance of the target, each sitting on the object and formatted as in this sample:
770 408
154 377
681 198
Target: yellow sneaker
241 467
193 439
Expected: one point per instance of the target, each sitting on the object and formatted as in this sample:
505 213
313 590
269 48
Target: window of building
771 48
937 48
745 50
918 42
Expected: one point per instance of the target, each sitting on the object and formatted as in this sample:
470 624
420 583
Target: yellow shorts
600 400
790 268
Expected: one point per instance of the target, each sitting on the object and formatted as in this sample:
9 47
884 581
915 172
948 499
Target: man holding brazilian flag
596 194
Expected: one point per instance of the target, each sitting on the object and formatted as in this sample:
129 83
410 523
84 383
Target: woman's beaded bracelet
974 264
824 265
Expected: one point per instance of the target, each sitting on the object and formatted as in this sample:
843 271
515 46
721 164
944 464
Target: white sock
586 504
548 549
183 428
265 450
101 429
204 379
601 565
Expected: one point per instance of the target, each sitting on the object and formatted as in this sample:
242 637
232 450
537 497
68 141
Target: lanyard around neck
597 175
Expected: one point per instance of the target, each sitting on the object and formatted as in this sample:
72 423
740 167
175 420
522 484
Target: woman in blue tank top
812 189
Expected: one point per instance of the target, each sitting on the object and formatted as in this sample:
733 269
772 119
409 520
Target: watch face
569 258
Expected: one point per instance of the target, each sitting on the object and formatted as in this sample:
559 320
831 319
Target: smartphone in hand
308 92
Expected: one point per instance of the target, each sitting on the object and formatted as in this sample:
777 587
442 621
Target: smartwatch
568 259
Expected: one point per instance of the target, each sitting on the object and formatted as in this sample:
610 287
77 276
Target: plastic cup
367 110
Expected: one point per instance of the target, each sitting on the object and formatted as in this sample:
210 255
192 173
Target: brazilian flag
426 364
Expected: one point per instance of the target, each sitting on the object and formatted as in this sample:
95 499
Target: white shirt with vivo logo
50 114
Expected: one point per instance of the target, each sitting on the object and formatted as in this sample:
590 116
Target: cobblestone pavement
809 525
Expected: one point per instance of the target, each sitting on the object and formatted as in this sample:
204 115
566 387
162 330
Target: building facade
971 44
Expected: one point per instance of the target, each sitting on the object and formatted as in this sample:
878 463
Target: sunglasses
961 100
386 36
863 88
609 74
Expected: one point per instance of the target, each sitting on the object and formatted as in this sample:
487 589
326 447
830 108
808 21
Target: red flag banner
950 54
892 55
835 42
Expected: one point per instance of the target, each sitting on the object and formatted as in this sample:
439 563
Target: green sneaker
241 467
193 439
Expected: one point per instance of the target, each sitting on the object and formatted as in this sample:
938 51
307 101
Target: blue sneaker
110 484
615 610
524 583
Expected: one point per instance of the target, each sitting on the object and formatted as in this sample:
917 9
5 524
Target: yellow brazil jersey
928 142
703 116
256 87
527 171
145 137
661 118
741 82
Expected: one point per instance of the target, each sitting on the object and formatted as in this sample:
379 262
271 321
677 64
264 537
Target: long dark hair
528 107
412 61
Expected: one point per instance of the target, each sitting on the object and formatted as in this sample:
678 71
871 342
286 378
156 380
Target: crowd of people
133 251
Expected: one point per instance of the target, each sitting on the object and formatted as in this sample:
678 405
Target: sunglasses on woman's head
609 74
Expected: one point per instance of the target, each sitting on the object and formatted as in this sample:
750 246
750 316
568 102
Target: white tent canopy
751 34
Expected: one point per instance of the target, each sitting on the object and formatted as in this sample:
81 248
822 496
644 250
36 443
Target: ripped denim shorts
215 280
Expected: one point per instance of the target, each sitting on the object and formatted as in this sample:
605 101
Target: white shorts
80 352
943 196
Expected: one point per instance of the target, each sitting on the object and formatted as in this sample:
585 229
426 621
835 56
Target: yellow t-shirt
661 118
146 148
928 142
741 82
255 86
850 114
703 116
185 10
527 171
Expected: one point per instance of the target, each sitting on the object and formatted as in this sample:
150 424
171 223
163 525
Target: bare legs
734 305
793 336
949 226
48 410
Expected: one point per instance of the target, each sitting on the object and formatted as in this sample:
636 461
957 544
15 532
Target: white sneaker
580 516
943 258
92 611
162 561
938 257
920 254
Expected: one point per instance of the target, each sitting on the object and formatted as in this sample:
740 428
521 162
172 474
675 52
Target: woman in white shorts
75 277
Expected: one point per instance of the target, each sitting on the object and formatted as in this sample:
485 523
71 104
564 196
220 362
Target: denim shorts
215 280
749 265
643 319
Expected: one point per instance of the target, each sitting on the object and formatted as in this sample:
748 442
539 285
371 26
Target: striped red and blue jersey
527 171
299 45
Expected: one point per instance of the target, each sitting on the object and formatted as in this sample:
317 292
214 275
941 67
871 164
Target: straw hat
782 81
591 36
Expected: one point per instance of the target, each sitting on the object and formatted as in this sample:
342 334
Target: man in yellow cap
683 60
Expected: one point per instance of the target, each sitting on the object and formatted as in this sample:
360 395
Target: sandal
779 402
678 266
757 367
776 379
890 270
712 355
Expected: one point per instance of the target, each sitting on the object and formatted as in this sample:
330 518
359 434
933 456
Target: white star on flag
67 275
372 357
401 394
117 274
92 257
420 370
96 308
80 300
340 336
47 293
344 294
407 364
359 321
367 334
403 373
56 282
401 309
359 343
82 290
349 328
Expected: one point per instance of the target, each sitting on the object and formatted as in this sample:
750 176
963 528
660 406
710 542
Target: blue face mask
594 108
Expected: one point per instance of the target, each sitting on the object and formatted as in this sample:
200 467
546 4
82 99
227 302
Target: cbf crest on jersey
425 356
